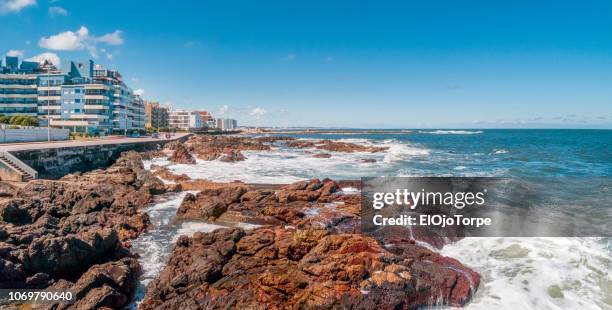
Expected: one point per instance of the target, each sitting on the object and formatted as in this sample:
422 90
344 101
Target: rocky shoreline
74 233
305 252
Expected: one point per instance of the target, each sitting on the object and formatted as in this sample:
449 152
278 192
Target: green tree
29 121
16 119
19 120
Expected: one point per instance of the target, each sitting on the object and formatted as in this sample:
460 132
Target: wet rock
53 232
286 268
63 256
335 146
286 205
209 203
181 156
104 286
231 156
271 139
300 144
166 174
171 146
322 155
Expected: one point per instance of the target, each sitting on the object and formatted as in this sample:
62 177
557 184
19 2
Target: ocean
517 273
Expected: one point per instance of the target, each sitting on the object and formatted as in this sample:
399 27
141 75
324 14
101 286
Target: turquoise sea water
517 153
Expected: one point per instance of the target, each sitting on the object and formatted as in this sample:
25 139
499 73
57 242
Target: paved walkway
77 143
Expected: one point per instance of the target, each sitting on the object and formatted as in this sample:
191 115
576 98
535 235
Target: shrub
19 120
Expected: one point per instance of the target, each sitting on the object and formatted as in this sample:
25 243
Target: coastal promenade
12 147
52 160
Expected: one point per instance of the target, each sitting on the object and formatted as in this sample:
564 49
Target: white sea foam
153 246
500 151
350 190
286 165
188 228
398 152
452 132
537 273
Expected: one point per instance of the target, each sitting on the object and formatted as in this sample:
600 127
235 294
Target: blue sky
383 64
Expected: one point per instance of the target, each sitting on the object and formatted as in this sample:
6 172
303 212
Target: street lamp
48 115
125 117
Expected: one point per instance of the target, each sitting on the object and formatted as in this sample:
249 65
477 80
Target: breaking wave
452 132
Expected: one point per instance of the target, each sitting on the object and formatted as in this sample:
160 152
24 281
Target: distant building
156 115
207 119
227 124
185 120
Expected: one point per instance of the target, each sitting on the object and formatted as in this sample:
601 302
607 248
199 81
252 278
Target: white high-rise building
227 124
184 119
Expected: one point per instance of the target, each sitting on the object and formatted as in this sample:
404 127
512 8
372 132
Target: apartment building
185 120
227 124
127 107
156 115
81 97
50 82
207 119
18 88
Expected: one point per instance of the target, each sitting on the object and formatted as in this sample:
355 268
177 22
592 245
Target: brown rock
231 156
334 146
209 203
7 189
181 156
55 232
282 268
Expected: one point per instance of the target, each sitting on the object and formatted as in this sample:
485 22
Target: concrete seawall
56 162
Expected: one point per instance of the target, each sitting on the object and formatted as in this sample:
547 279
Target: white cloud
18 53
80 40
223 109
258 112
139 92
65 41
52 57
113 38
57 11
15 6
